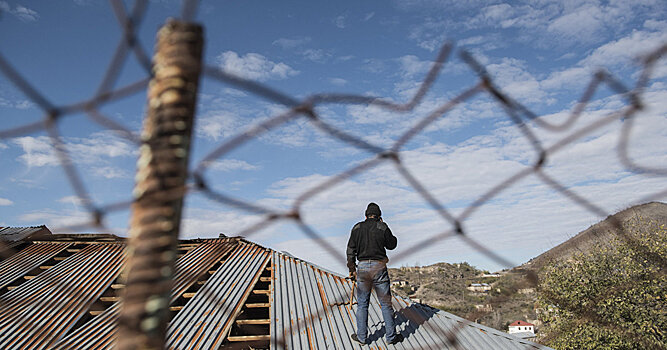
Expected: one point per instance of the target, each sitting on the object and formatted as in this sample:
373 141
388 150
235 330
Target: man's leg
383 291
364 285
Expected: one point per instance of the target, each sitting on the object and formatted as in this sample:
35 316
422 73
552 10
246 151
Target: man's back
369 239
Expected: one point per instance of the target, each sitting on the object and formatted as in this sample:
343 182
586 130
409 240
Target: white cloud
571 77
473 40
55 220
585 23
513 77
311 250
21 12
219 124
616 54
254 66
374 65
37 151
624 50
338 81
199 222
5 202
369 16
496 13
100 146
412 66
386 125
340 21
315 55
430 35
74 200
295 134
297 44
560 23
227 165
292 187
18 104
25 13
291 43
655 25
371 115
109 172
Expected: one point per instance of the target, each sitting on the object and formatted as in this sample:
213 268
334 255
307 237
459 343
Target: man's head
373 210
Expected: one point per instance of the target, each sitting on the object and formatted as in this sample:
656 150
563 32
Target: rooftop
228 292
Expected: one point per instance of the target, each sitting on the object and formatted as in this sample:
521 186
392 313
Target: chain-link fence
164 180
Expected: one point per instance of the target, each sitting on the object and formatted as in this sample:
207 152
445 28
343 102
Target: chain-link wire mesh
305 109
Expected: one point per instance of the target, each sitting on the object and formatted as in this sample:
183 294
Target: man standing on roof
367 244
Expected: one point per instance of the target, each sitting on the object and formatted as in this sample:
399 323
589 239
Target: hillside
512 296
601 233
440 285
445 286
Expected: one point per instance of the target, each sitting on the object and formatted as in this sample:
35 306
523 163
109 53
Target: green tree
610 297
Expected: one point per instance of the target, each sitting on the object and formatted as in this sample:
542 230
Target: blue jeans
373 274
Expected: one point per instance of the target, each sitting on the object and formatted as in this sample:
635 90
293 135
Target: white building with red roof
522 329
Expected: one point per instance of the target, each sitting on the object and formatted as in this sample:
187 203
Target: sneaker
355 338
397 339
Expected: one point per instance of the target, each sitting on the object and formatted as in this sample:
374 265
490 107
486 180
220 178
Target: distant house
522 329
484 307
399 282
429 269
479 287
490 275
526 291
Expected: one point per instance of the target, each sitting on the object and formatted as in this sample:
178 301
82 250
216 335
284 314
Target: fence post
160 185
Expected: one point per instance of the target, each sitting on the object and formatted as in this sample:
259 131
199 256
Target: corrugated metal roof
309 311
206 320
307 303
99 333
18 233
7 248
19 264
44 308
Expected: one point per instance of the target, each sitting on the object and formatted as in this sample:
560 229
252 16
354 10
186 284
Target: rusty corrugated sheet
7 249
10 234
29 258
42 310
100 332
308 311
207 318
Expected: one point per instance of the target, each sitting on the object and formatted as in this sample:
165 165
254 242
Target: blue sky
542 53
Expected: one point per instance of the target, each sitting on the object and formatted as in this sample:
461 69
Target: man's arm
352 253
390 241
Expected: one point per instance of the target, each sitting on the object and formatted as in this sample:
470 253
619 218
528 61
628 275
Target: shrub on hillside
610 297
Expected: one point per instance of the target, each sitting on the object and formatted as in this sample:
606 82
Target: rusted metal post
160 186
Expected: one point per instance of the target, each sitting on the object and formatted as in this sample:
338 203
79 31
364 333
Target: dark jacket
368 241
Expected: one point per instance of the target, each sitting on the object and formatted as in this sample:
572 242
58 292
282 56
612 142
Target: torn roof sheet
11 234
